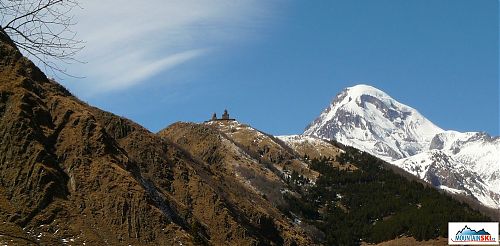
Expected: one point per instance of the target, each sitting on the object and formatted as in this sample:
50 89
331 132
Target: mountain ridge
368 118
72 173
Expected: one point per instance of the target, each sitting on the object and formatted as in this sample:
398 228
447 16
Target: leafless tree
42 28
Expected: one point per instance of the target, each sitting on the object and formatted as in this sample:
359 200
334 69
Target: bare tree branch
42 28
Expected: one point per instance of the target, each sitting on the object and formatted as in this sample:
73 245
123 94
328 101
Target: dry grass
409 241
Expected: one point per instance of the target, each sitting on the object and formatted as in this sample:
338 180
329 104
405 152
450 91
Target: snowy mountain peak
362 89
367 117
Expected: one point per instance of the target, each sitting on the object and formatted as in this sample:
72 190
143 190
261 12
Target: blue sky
277 64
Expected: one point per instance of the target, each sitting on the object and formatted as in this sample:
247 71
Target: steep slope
476 150
310 147
443 171
369 119
59 168
71 173
350 196
266 148
465 162
379 201
257 160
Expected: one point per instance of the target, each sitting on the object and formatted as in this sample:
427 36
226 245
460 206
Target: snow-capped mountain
477 150
446 172
367 118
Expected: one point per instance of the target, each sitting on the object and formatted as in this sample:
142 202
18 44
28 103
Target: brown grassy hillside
261 163
71 173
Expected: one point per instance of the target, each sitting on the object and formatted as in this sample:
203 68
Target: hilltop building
225 117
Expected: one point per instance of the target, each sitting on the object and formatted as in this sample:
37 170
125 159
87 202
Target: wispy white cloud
128 42
138 69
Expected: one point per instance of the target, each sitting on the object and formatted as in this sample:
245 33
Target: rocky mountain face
474 149
73 174
466 163
367 118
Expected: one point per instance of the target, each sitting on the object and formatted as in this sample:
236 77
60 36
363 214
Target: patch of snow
451 190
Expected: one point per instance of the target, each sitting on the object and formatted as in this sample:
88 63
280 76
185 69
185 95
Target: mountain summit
367 118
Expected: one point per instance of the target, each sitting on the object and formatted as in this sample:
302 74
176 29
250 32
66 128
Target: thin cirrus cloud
128 42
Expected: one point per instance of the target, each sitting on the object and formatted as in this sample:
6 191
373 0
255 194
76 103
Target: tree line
372 204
